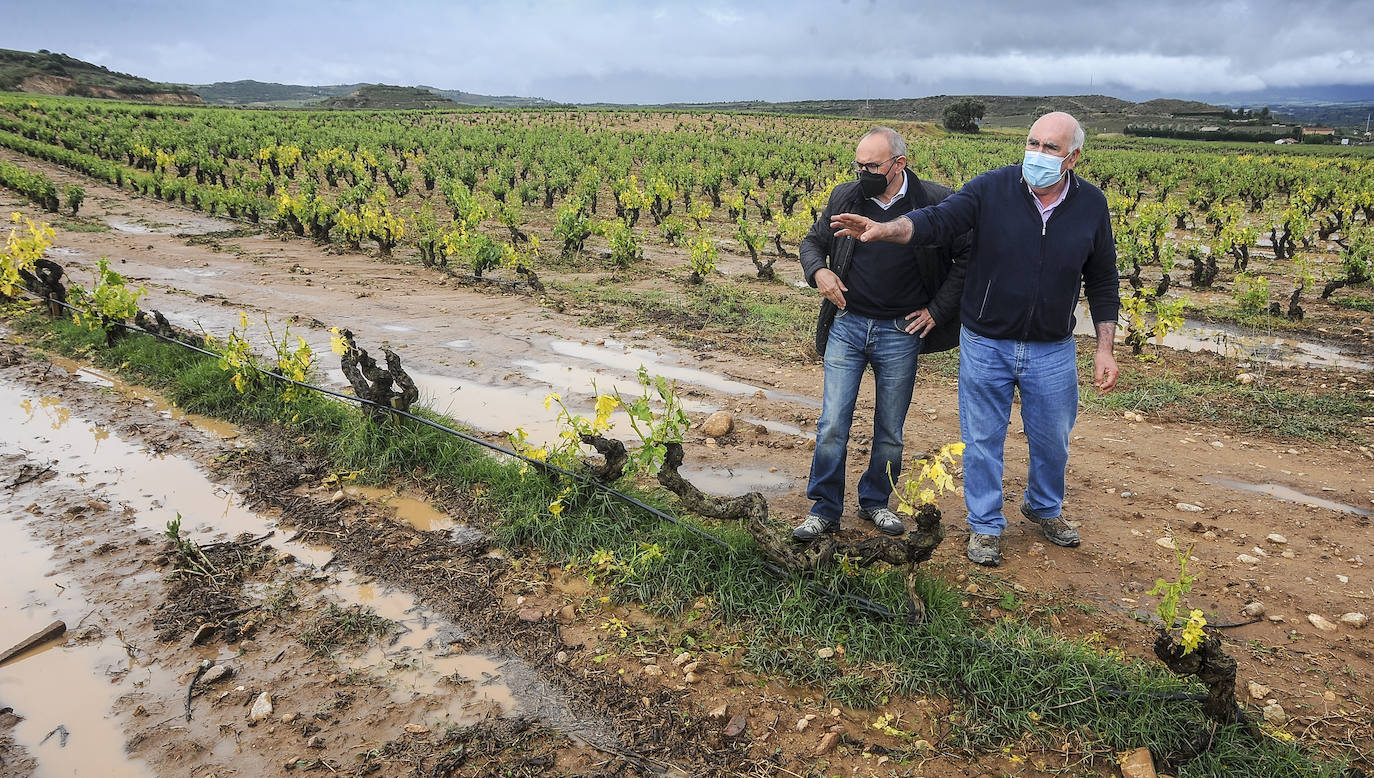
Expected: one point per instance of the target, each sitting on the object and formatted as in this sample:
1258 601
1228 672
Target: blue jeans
857 342
1047 375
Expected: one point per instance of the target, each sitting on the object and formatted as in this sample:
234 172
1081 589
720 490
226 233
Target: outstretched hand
852 225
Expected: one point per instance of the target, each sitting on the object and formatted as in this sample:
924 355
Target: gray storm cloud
646 52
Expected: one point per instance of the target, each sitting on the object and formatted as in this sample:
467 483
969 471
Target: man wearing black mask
884 305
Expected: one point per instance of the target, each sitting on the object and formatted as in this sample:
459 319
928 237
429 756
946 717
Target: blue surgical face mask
1041 170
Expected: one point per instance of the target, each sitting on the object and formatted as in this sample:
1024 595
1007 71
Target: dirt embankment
61 85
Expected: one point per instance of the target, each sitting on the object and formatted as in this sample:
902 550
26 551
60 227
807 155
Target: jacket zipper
1044 229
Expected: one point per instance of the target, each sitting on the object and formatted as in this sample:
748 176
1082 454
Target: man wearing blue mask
884 306
1040 234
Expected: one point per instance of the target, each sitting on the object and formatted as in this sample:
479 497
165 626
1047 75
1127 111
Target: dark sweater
1024 276
941 266
884 282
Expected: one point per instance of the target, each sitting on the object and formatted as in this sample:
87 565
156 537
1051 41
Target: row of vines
485 190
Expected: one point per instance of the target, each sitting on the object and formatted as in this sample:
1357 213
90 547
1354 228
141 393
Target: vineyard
678 228
490 192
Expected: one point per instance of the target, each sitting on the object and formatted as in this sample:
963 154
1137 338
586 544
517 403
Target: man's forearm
899 230
1106 336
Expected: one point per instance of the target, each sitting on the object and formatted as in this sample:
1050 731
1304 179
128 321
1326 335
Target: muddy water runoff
67 691
1243 345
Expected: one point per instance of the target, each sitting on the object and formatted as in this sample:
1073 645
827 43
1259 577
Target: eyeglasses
872 167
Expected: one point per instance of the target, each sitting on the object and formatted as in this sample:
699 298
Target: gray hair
1078 136
895 144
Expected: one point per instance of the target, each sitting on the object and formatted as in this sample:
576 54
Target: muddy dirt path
489 358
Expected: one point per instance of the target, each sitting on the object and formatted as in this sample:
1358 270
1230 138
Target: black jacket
1025 275
942 265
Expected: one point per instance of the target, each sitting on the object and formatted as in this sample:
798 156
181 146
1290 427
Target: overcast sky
649 52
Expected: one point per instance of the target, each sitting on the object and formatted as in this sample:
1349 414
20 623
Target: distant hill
1098 112
45 73
1353 115
266 94
259 93
491 101
378 97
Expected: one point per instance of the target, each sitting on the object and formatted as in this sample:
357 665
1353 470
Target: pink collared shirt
1046 210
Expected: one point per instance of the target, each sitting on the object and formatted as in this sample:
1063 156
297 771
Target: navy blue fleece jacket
1024 276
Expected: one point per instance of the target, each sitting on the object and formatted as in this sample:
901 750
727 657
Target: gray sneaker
985 549
1057 531
814 527
885 520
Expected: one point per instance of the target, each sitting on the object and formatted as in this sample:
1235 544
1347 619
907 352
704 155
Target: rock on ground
1321 622
262 708
718 424
1275 715
1138 764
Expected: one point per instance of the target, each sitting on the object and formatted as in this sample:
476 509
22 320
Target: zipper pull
1043 226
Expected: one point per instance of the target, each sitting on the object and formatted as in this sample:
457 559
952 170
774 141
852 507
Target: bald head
1059 130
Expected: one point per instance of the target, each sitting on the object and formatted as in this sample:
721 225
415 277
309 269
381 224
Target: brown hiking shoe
985 549
1057 531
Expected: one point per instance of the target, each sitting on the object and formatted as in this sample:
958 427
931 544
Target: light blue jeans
857 342
1047 375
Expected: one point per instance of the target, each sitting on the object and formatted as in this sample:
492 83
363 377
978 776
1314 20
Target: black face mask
872 184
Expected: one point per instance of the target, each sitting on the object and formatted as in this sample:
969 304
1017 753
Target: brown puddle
1243 344
629 360
65 690
466 687
452 688
734 481
410 510
496 409
1292 495
216 427
155 489
188 225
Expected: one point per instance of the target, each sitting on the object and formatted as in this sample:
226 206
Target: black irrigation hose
859 603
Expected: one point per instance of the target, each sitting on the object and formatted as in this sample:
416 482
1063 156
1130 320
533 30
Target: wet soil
480 668
489 357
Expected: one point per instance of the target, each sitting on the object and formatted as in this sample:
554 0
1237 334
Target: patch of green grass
1283 413
941 363
1356 303
856 690
770 318
1008 680
1262 321
83 225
